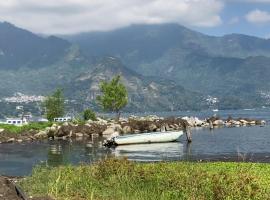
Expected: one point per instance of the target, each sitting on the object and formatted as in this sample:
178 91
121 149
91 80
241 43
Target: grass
31 126
122 179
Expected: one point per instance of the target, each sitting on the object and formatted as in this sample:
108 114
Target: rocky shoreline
130 125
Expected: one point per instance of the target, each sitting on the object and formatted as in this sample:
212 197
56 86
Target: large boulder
65 130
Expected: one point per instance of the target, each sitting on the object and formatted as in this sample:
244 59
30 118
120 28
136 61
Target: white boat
156 137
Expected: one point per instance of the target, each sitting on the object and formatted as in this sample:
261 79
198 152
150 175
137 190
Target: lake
221 144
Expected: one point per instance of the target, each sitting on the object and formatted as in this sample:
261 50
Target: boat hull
157 137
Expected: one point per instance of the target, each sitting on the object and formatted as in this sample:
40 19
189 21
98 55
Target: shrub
89 114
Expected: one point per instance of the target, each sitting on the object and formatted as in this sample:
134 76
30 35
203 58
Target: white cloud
258 16
70 16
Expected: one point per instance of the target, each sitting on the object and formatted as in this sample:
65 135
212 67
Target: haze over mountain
165 67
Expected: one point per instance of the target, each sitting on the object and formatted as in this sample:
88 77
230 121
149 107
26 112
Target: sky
213 17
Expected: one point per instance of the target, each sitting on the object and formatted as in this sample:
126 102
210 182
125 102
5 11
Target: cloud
234 20
258 17
71 16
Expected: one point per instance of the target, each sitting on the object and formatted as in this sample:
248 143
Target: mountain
21 48
145 93
36 65
149 42
233 67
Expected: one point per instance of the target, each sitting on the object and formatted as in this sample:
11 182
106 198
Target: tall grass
122 179
31 126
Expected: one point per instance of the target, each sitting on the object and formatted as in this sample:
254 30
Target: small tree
54 105
114 96
89 114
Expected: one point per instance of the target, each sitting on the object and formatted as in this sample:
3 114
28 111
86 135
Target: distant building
16 121
62 119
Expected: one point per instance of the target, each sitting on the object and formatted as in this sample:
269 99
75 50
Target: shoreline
131 125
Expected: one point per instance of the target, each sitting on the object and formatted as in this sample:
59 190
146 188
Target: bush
89 114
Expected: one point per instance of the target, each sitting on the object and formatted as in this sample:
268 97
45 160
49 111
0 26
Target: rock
236 123
108 131
218 123
252 122
171 126
2 130
126 129
101 121
65 130
10 140
193 121
65 124
41 134
243 122
117 128
152 127
20 140
79 134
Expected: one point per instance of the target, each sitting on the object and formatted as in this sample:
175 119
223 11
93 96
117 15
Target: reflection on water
151 152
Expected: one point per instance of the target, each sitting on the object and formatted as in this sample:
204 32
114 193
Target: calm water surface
226 144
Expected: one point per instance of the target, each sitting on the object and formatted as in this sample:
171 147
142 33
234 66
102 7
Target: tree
114 97
89 114
54 105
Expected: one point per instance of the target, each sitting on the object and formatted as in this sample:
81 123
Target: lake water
225 144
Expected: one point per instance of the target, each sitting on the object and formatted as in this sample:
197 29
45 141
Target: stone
243 122
41 134
101 121
252 122
20 140
108 131
79 134
193 121
10 140
152 127
117 128
171 126
126 129
218 123
236 123
2 130
65 124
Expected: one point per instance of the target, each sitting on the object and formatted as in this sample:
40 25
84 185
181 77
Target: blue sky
234 20
213 17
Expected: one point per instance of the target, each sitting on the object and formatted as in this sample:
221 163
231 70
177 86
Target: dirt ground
8 191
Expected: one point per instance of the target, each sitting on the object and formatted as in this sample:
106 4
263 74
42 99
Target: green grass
122 179
31 126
